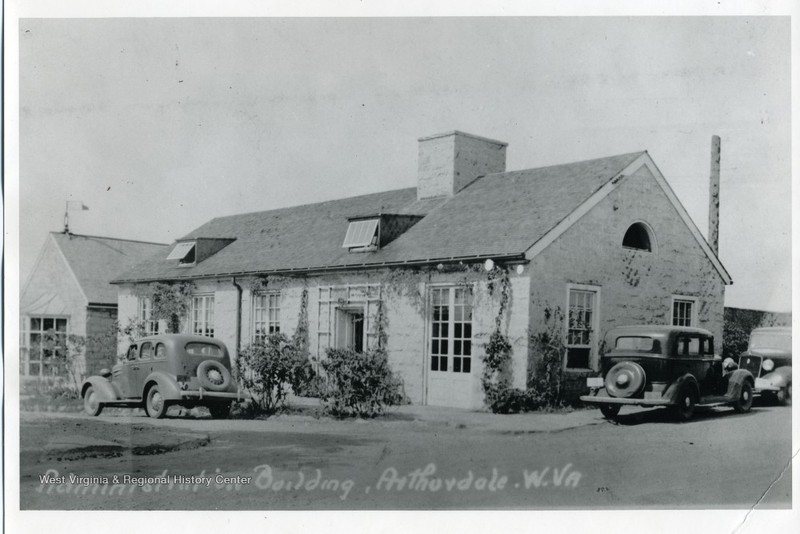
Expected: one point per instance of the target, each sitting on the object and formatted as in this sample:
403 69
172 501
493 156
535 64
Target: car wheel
220 411
784 395
91 404
745 400
610 411
155 405
684 410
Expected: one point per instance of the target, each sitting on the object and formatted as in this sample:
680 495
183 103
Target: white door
450 361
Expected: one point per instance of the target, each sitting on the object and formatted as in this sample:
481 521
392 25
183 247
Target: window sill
578 370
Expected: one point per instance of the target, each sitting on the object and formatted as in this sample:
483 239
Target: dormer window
184 253
368 233
189 253
362 235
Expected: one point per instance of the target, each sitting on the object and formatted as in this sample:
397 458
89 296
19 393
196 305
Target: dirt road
719 460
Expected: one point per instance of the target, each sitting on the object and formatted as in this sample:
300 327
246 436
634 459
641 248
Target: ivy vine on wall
496 378
300 336
169 301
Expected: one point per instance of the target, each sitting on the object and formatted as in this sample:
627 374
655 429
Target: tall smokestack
713 196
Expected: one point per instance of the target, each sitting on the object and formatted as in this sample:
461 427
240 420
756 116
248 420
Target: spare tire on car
625 379
213 376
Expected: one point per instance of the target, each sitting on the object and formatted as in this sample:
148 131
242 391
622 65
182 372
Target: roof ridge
111 238
308 204
637 154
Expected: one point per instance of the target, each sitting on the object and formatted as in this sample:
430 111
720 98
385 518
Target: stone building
576 248
68 292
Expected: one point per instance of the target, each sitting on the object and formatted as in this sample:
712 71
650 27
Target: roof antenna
72 205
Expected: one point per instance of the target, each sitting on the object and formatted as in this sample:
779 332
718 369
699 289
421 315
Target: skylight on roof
361 233
181 250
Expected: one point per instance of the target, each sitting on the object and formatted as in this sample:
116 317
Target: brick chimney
713 196
448 162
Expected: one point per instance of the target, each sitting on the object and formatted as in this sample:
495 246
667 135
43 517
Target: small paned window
580 328
44 345
202 315
146 317
266 315
682 312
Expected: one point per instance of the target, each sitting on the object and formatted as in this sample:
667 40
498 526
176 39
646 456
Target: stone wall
633 286
406 318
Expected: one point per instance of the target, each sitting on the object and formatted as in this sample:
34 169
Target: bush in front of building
270 368
544 387
60 355
359 384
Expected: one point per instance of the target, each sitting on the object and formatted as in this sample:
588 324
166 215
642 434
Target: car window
635 343
132 352
161 351
147 351
203 349
770 340
688 346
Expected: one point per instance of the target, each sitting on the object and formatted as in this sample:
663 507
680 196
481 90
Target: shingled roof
95 261
498 215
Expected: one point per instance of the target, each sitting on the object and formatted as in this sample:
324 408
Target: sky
161 124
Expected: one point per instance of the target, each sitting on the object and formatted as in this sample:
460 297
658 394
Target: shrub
496 379
61 392
549 348
268 369
545 374
359 384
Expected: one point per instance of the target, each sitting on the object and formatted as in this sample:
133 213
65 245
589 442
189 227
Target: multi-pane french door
450 360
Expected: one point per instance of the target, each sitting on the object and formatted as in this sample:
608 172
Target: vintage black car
769 359
666 366
164 370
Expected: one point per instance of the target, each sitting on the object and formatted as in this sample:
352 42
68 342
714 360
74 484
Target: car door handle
135 368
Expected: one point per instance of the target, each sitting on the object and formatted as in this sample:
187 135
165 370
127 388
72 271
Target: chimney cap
452 133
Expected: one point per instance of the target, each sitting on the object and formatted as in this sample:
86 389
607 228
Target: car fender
167 385
735 380
674 390
780 377
106 391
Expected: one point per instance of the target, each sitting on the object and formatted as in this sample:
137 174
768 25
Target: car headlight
768 365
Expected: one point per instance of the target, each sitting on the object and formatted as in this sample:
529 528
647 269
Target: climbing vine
405 282
169 301
382 327
300 336
545 369
272 281
548 349
276 283
410 282
496 378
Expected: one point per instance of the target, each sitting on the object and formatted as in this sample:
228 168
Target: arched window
638 237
